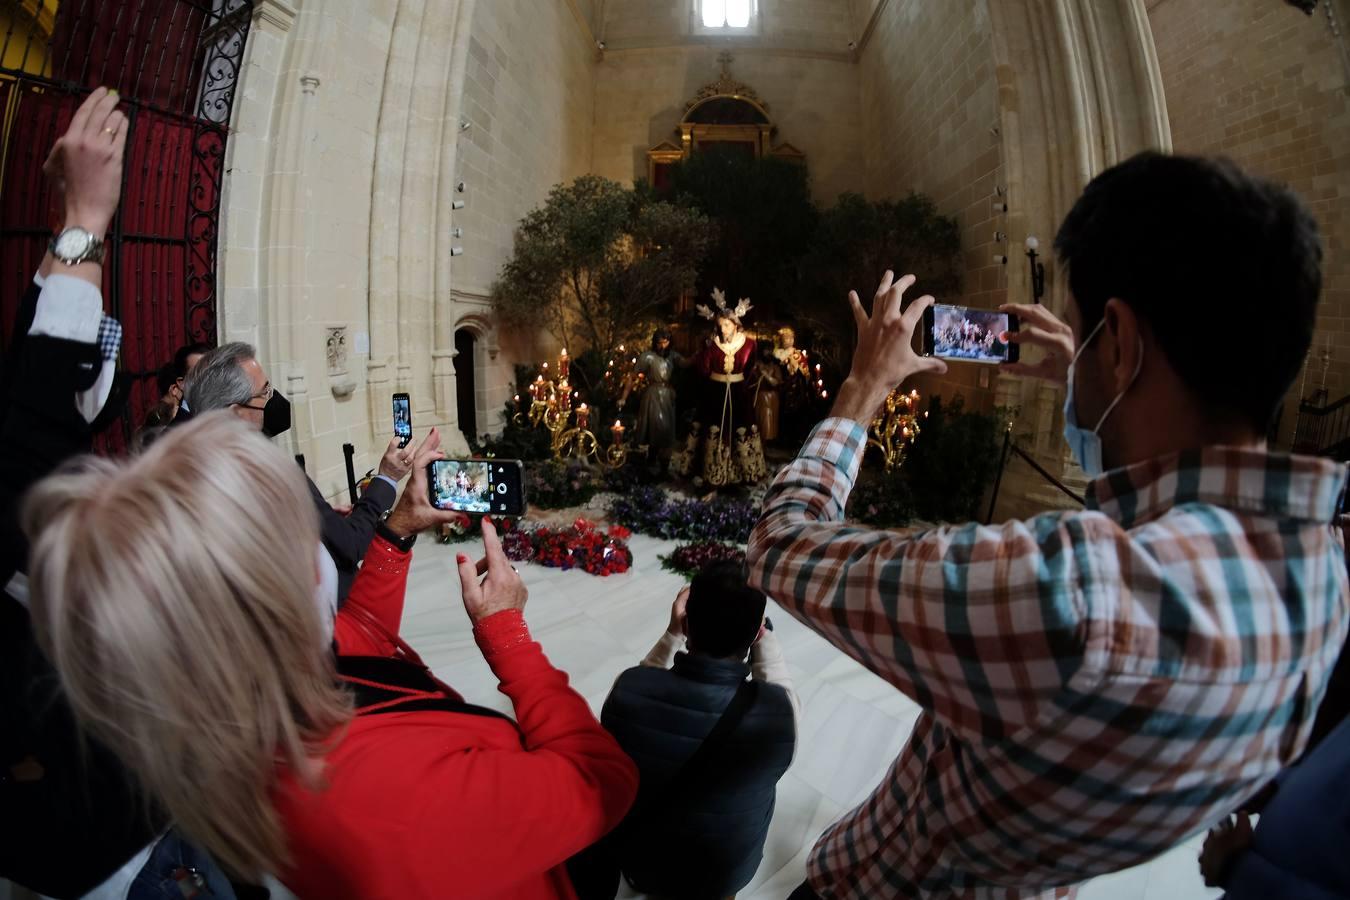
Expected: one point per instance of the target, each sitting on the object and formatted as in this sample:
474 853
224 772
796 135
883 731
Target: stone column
1079 90
443 312
240 316
383 376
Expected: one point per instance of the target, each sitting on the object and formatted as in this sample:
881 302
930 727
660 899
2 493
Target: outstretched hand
1040 328
885 356
500 590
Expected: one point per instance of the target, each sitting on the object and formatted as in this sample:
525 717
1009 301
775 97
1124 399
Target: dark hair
180 358
724 612
660 334
165 378
1225 269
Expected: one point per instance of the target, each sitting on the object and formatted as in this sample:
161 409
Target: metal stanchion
349 452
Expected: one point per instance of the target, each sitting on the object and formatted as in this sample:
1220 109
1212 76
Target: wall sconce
456 251
456 204
456 232
999 190
465 124
461 187
1000 259
1037 269
1000 207
999 237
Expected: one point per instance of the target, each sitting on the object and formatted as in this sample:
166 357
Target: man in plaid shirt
1096 685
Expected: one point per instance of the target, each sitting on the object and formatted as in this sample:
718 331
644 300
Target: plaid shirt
1097 685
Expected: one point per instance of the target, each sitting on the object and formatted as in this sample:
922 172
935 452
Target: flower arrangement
581 545
689 559
647 510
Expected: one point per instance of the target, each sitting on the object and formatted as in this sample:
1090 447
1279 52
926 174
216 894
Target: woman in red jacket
207 669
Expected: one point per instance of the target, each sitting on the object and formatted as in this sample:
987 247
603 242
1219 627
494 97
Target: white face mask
1085 445
326 592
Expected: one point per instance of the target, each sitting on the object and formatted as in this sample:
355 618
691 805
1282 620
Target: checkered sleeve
981 625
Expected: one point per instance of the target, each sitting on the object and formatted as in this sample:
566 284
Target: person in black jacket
699 825
230 377
72 820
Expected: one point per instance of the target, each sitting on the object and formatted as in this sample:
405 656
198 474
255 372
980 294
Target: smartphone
402 419
495 486
969 335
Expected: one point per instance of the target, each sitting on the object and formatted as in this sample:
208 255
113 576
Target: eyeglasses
264 395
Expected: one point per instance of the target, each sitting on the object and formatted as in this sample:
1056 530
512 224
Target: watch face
73 243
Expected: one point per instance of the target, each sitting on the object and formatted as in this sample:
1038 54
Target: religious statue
768 378
656 410
728 397
796 390
750 456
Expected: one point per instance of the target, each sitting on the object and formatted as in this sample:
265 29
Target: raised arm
570 782
977 624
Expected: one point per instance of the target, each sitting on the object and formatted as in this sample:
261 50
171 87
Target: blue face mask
1085 445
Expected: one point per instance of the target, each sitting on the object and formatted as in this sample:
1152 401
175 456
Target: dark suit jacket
64 832
347 537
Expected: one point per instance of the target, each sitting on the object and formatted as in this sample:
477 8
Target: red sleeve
703 360
569 784
377 593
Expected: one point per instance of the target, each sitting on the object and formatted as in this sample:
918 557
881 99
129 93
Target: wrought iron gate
176 64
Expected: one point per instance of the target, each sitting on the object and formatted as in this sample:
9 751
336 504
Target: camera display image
971 334
464 485
402 417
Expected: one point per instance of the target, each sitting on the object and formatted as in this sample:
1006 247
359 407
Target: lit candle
817 368
914 393
824 395
517 401
564 364
617 432
583 416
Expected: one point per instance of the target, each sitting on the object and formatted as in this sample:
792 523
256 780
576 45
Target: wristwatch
75 245
402 543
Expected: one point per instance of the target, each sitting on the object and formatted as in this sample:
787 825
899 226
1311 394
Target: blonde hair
174 593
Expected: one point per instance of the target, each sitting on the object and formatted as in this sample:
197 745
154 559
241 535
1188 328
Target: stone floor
854 723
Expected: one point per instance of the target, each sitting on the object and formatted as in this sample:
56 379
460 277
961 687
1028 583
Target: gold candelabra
895 427
551 398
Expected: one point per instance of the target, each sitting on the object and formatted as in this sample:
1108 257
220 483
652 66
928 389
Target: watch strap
400 542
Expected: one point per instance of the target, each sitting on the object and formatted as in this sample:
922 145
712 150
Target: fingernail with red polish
461 558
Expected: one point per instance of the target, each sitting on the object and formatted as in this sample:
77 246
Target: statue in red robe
727 402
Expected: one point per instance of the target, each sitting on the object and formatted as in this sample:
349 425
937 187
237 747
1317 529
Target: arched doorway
466 350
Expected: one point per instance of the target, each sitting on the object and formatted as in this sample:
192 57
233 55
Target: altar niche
726 114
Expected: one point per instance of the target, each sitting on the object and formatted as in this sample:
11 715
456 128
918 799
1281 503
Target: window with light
726 14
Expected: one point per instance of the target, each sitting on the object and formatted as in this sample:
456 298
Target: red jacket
436 804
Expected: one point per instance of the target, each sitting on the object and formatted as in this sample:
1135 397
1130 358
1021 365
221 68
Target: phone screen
478 485
973 335
402 419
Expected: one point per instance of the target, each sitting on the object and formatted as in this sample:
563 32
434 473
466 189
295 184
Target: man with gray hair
230 377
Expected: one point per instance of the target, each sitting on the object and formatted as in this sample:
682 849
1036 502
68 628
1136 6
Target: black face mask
276 415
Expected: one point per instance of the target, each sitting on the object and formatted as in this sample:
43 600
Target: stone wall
529 95
1270 88
343 163
929 125
640 97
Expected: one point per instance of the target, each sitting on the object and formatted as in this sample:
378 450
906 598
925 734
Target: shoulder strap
735 711
383 685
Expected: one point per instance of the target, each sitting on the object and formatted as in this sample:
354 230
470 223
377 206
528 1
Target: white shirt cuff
68 308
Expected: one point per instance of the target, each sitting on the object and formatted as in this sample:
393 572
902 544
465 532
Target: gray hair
217 381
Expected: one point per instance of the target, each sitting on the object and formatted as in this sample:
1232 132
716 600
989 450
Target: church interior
615 239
